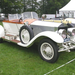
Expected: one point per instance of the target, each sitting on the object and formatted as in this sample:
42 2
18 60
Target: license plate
67 39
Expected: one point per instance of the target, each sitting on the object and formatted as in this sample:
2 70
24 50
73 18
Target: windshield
35 15
25 15
31 15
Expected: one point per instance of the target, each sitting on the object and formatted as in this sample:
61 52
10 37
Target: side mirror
43 16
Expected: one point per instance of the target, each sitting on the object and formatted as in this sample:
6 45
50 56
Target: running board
24 45
10 38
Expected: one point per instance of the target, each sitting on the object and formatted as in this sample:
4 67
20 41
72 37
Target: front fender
52 35
1 31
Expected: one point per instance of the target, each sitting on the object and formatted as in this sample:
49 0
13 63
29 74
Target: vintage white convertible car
26 29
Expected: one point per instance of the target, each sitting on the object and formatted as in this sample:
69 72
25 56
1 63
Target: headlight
72 30
63 33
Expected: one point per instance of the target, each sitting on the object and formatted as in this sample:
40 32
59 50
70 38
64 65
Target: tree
50 6
11 6
41 7
31 5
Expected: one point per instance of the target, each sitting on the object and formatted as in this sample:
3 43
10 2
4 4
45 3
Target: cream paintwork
71 29
1 31
59 39
44 23
45 34
12 28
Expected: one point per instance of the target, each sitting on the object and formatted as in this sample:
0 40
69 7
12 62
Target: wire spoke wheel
48 50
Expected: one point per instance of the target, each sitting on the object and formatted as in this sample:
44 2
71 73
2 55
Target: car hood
44 23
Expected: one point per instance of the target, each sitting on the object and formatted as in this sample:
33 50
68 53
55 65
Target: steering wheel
20 19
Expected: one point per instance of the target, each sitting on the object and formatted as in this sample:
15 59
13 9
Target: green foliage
50 6
41 7
1 23
11 6
16 60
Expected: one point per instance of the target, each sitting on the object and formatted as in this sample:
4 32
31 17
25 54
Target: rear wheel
48 50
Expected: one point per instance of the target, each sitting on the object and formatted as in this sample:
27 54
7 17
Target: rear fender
1 31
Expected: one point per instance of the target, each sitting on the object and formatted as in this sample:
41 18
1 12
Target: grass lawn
16 60
0 23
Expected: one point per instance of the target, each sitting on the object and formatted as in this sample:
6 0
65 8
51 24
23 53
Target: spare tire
26 34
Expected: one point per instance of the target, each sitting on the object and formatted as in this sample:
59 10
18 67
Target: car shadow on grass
32 49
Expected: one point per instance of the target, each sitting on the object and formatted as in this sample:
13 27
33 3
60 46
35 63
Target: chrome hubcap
25 36
47 51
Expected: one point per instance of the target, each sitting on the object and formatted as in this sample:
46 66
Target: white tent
68 9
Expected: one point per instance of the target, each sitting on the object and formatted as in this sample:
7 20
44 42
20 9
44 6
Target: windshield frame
25 15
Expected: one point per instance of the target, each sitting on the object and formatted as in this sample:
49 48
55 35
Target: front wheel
48 50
